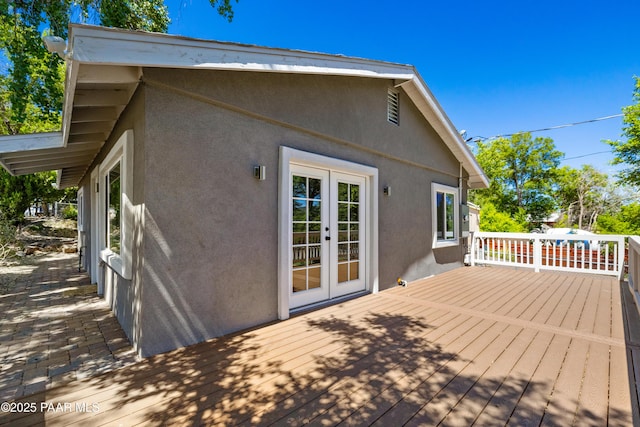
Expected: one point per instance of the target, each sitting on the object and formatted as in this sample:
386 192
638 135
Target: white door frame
287 157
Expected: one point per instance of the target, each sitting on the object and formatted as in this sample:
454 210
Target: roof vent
393 106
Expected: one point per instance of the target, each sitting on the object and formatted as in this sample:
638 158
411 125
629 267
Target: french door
328 228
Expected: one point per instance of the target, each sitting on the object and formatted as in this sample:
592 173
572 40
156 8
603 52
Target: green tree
522 172
582 194
626 221
628 152
492 220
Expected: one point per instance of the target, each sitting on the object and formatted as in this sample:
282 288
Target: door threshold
322 304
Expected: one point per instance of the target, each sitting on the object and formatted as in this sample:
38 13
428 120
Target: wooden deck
475 346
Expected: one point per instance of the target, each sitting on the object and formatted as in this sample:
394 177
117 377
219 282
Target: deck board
594 401
561 409
532 403
473 346
503 403
475 400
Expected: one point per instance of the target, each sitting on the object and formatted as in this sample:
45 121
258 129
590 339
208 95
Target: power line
548 128
587 155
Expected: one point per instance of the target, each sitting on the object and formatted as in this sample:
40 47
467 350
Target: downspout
466 258
460 184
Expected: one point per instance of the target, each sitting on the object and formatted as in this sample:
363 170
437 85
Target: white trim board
121 152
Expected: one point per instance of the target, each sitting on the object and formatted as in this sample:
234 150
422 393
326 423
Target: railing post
473 249
537 253
633 263
621 252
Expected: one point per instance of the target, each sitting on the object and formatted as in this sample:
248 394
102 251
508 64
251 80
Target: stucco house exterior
223 186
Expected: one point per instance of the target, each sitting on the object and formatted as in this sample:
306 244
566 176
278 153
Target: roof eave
108 46
99 46
422 97
21 146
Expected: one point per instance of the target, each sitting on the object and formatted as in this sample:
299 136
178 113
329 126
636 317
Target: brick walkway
54 328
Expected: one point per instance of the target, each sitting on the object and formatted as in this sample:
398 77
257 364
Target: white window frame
121 152
80 209
446 189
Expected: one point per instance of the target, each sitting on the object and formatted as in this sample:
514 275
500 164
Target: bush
492 220
7 237
70 212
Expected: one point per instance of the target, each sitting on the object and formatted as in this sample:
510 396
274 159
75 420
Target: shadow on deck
471 346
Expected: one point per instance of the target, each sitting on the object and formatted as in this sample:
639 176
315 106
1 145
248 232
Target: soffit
96 99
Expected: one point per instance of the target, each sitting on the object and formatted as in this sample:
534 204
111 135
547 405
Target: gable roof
104 67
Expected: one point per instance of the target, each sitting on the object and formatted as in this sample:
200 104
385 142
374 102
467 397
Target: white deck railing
634 269
599 254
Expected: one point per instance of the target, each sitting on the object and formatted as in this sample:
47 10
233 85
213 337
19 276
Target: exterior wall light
259 172
56 44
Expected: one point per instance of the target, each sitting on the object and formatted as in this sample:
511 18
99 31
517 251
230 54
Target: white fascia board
98 45
69 93
433 112
29 142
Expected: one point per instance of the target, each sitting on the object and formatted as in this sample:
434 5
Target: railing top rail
555 236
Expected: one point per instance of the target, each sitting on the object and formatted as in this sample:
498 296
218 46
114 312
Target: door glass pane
113 208
299 280
343 192
299 256
353 270
314 233
314 210
314 188
355 193
299 233
314 255
314 278
343 252
307 239
343 211
354 211
299 187
343 272
299 210
354 252
348 231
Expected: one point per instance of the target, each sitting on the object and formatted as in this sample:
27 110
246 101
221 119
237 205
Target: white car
586 243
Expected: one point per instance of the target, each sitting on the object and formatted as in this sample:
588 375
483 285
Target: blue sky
496 67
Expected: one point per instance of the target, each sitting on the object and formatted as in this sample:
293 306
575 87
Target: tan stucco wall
211 230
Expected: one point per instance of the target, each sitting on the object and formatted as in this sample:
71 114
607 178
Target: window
115 210
393 106
444 215
80 200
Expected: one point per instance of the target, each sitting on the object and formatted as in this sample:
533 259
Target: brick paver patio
54 328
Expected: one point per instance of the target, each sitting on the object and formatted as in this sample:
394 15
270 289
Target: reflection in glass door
327 235
348 216
348 231
307 223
